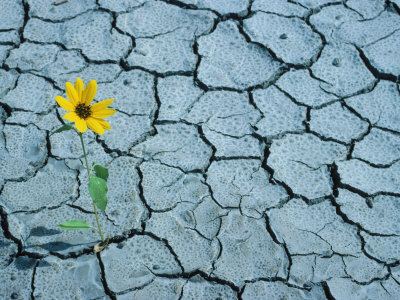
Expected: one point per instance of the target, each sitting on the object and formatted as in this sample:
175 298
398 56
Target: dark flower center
83 111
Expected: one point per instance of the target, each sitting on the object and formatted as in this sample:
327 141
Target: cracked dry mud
255 153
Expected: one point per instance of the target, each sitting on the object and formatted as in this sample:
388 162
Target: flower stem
88 170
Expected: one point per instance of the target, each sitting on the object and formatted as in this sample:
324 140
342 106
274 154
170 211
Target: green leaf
63 128
98 191
74 225
100 171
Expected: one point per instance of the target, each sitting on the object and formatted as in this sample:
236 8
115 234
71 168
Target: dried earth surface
255 152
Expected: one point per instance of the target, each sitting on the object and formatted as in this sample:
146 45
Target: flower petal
79 88
64 103
89 92
71 116
71 93
104 123
103 113
81 125
101 105
95 125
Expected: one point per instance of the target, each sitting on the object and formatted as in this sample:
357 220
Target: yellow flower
81 112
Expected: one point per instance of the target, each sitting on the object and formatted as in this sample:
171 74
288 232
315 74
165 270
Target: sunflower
81 112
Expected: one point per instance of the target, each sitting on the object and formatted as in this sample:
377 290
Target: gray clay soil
255 152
